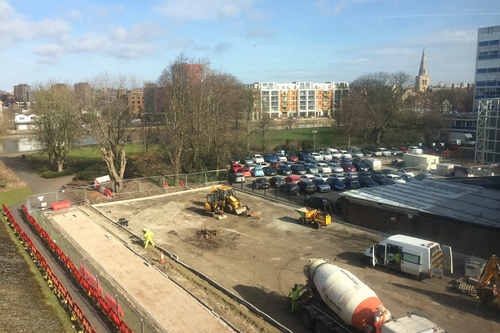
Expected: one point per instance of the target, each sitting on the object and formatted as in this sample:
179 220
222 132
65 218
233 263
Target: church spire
423 66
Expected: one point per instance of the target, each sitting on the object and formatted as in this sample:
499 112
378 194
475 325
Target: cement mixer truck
341 303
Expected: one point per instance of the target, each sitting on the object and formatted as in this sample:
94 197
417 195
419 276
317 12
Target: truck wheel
485 295
323 325
302 220
316 225
368 261
307 314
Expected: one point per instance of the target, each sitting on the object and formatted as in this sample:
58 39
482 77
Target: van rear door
447 259
411 262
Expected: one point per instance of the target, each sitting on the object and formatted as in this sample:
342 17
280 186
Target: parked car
298 169
257 172
276 181
364 174
284 170
281 157
275 165
292 158
270 158
292 179
324 168
367 182
345 154
256 158
310 160
350 174
311 168
302 156
384 152
389 172
235 159
237 177
260 183
316 156
355 152
269 171
368 152
290 189
235 167
307 176
326 155
396 179
336 167
335 153
409 178
352 183
339 176
415 150
262 164
335 184
395 151
382 180
360 166
320 202
323 176
348 167
422 176
247 160
404 171
307 186
321 185
398 162
246 171
403 149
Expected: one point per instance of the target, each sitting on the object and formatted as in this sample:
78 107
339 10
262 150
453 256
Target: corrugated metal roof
460 201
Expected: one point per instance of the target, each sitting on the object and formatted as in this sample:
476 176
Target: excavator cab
222 199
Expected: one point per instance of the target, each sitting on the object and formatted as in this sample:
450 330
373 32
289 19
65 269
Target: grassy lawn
89 153
14 196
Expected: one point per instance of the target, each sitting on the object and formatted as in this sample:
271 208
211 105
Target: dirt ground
260 259
17 282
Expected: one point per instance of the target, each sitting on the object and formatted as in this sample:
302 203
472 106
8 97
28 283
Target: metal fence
275 193
76 195
133 319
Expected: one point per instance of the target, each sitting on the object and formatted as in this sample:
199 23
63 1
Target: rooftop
464 202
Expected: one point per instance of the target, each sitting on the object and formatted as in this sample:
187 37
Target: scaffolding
487 116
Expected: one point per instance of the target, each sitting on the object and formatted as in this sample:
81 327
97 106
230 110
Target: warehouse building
466 217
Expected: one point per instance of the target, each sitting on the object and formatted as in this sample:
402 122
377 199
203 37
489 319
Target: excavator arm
491 273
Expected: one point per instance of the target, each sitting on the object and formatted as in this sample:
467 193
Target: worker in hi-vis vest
148 236
295 293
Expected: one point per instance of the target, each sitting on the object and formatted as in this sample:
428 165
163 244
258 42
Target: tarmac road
39 185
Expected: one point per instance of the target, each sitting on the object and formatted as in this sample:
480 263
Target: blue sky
254 40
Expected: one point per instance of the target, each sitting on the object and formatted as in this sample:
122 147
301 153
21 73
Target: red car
235 167
246 172
292 158
348 167
275 164
292 179
404 149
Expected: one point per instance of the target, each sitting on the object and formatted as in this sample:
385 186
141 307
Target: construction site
212 274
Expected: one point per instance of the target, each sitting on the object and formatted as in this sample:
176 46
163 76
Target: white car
326 155
384 152
334 152
307 176
323 176
407 172
316 156
345 154
262 164
415 150
396 179
281 158
256 158
324 168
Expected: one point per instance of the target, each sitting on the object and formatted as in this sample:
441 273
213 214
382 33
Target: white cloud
141 32
334 7
221 48
75 15
105 12
204 10
48 53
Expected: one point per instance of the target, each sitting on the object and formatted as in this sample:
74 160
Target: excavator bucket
242 210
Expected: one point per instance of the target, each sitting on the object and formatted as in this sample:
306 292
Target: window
481 70
492 70
483 43
494 42
411 258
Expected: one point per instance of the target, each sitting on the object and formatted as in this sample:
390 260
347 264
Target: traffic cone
181 183
166 184
162 260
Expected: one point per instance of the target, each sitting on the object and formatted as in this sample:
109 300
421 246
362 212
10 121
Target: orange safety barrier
108 193
181 183
60 205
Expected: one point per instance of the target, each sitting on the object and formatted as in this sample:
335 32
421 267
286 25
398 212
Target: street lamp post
314 134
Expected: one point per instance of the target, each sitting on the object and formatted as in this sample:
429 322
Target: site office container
415 254
429 162
445 169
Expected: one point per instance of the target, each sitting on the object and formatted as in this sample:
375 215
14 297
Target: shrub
55 174
92 172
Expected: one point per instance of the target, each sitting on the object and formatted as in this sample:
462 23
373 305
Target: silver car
324 168
336 168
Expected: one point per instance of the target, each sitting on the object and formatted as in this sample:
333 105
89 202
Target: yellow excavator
222 200
490 281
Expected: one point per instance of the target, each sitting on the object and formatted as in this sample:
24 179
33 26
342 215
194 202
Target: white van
415 255
372 164
334 152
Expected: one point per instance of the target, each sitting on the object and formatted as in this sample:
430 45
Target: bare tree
108 118
383 95
264 129
352 115
57 128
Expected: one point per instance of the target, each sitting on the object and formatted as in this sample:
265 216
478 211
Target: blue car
257 172
270 158
335 184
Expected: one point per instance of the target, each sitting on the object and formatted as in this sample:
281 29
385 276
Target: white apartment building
300 99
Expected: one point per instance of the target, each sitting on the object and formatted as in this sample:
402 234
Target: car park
382 179
335 184
364 174
352 183
289 189
292 179
339 176
269 171
321 185
422 176
368 152
320 202
307 176
257 172
350 174
246 171
404 171
270 158
310 161
256 158
262 164
292 158
336 167
276 181
323 176
348 167
307 186
247 160
335 153
409 178
403 149
355 152
398 162
384 152
311 168
395 151
415 150
360 166
284 170
326 155
260 183
281 157
367 182
324 168
302 156
275 165
298 169
235 167
316 156
389 172
235 159
237 177
345 154
396 179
